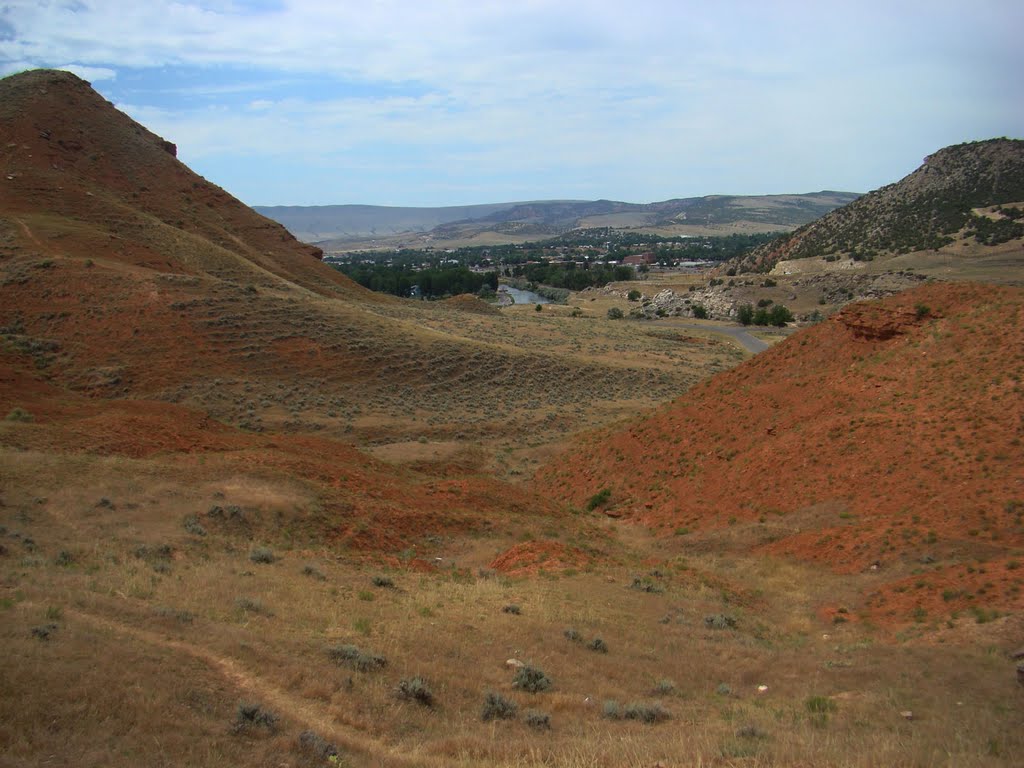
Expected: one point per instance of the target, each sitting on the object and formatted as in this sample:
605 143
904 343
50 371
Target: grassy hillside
931 208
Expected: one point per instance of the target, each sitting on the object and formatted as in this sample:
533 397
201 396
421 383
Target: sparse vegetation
352 656
539 721
262 555
497 707
531 679
311 743
719 621
19 415
313 572
249 716
646 713
599 499
192 525
416 689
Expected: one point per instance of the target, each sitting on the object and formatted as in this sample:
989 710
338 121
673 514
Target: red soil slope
131 288
83 179
890 432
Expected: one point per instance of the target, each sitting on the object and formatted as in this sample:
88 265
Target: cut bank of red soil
530 557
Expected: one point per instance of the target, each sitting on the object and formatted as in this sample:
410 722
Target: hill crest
75 164
926 210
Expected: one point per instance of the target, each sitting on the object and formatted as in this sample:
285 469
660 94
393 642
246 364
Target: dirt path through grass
280 701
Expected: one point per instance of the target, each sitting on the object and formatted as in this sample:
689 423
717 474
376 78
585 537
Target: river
520 296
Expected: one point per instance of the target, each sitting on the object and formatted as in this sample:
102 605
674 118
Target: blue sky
447 102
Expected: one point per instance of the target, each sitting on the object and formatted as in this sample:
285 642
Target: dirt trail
292 707
30 235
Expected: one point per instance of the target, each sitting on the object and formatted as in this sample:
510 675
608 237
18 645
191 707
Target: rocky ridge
925 210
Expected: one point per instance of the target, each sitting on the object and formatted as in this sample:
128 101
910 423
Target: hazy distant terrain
351 225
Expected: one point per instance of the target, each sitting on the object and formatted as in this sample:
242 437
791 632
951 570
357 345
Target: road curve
749 342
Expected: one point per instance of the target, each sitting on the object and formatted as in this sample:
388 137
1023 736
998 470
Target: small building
639 260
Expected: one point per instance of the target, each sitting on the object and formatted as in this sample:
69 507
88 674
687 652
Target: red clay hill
147 314
889 435
82 179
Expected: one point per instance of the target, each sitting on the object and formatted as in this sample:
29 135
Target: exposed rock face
877 324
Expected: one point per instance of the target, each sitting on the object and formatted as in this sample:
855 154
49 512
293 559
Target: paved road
738 334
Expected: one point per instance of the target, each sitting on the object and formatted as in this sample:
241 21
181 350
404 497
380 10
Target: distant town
575 261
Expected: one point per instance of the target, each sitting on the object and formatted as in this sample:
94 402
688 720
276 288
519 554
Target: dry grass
140 653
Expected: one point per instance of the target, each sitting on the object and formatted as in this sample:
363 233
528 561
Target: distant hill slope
547 218
891 431
324 222
928 209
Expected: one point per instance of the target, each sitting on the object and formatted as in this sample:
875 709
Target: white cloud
92 74
636 97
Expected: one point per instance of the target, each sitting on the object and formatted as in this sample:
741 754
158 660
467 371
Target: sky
454 102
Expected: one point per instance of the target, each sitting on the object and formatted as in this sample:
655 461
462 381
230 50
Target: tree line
432 283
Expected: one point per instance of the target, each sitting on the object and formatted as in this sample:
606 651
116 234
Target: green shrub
664 687
512 608
20 415
818 710
531 680
540 721
250 716
646 584
611 709
615 314
416 689
497 707
64 558
383 582
262 555
719 621
634 295
44 631
193 526
252 606
599 499
313 573
572 634
351 656
599 645
700 312
646 713
313 744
